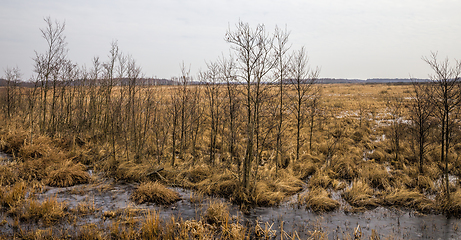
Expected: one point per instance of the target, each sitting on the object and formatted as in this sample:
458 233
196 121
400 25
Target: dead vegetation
360 195
154 192
319 200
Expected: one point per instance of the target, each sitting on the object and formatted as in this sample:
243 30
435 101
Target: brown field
159 138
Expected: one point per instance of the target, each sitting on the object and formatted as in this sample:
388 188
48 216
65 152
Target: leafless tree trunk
48 64
254 54
421 112
302 80
13 76
447 97
282 72
213 93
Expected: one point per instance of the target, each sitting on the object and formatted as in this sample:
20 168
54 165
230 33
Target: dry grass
7 176
67 174
225 184
154 192
344 168
48 212
319 200
217 213
12 196
408 198
321 179
360 195
151 227
453 206
375 174
304 170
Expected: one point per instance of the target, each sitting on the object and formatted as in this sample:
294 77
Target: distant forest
155 81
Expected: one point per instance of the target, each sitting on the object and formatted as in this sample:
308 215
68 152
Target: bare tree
48 64
228 69
395 106
303 80
12 77
446 96
282 72
253 50
421 112
213 93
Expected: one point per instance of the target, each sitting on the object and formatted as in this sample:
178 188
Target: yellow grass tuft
321 179
360 195
67 174
376 175
408 198
319 200
217 213
151 228
154 192
48 212
12 196
7 176
453 206
344 168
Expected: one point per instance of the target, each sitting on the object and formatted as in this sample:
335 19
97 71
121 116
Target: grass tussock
67 174
376 175
453 206
48 212
408 198
344 168
217 213
321 179
7 176
319 200
198 173
304 169
224 184
360 195
12 196
154 192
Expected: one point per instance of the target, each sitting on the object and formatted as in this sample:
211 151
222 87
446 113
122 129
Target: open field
104 164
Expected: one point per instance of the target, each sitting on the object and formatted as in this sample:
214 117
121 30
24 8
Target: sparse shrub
154 192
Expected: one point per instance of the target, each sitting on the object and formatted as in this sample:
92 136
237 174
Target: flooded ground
109 198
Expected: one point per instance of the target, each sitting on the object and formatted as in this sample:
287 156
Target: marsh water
108 196
397 223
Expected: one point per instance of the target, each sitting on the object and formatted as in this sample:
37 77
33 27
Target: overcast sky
345 38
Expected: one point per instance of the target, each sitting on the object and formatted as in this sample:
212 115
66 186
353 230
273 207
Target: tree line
242 108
